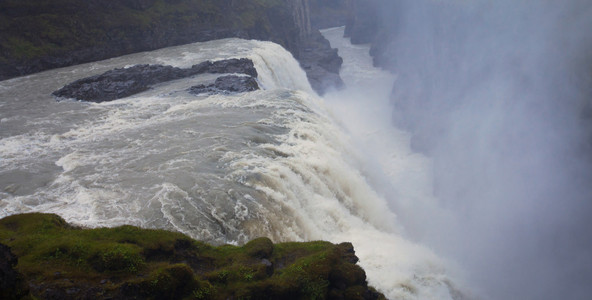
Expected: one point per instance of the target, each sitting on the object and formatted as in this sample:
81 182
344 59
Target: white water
279 162
400 176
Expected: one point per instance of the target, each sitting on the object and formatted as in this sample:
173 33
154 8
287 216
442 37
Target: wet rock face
321 63
227 84
328 13
124 82
233 65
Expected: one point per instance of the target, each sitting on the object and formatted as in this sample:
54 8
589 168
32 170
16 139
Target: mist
498 95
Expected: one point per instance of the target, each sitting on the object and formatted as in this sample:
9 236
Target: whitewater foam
277 162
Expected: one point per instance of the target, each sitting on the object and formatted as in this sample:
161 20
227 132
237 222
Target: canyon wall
38 35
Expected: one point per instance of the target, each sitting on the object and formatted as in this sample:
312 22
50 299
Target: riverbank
47 258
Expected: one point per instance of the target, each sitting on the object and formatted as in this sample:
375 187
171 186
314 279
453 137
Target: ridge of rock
123 82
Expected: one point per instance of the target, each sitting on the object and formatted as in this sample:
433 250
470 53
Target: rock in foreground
60 261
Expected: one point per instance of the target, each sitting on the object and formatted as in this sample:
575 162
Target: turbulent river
279 162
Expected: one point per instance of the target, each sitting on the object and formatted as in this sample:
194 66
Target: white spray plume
497 93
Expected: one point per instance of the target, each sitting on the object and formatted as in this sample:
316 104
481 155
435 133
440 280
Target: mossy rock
168 282
260 247
58 260
117 257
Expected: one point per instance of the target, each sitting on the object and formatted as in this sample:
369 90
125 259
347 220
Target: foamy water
280 162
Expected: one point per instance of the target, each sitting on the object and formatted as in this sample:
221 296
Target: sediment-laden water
280 162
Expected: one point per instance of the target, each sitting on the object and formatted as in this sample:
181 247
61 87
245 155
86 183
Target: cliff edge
59 261
38 35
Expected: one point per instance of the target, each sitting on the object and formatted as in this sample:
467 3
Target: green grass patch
131 262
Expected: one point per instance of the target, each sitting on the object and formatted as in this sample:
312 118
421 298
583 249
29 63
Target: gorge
448 141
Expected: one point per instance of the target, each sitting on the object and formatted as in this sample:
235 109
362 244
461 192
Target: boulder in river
227 84
124 82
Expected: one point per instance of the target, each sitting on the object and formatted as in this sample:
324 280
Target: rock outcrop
301 14
38 35
60 261
124 82
321 63
227 84
373 22
363 23
329 13
314 53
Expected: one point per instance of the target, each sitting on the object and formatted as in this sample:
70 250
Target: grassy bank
56 259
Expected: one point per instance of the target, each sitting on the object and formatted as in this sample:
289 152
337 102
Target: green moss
168 282
117 257
22 49
157 264
260 248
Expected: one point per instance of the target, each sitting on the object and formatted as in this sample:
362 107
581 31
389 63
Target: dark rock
233 65
54 294
118 83
11 283
372 22
328 13
124 82
363 23
238 84
227 84
321 63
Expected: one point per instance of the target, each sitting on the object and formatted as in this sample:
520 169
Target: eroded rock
227 84
124 82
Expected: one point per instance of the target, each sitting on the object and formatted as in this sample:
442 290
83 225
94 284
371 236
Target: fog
497 93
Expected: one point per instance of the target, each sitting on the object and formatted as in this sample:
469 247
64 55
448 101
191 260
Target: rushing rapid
279 162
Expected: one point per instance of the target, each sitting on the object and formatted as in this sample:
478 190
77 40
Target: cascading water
279 162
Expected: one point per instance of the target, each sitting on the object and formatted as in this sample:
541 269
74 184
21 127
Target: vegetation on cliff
39 34
58 260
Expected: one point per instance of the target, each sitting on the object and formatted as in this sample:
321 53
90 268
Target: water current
279 162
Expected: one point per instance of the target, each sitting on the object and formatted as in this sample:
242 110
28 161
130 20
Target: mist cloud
497 93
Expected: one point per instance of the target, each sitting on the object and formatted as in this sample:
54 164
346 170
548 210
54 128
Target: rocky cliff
329 13
373 22
301 14
37 35
46 258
